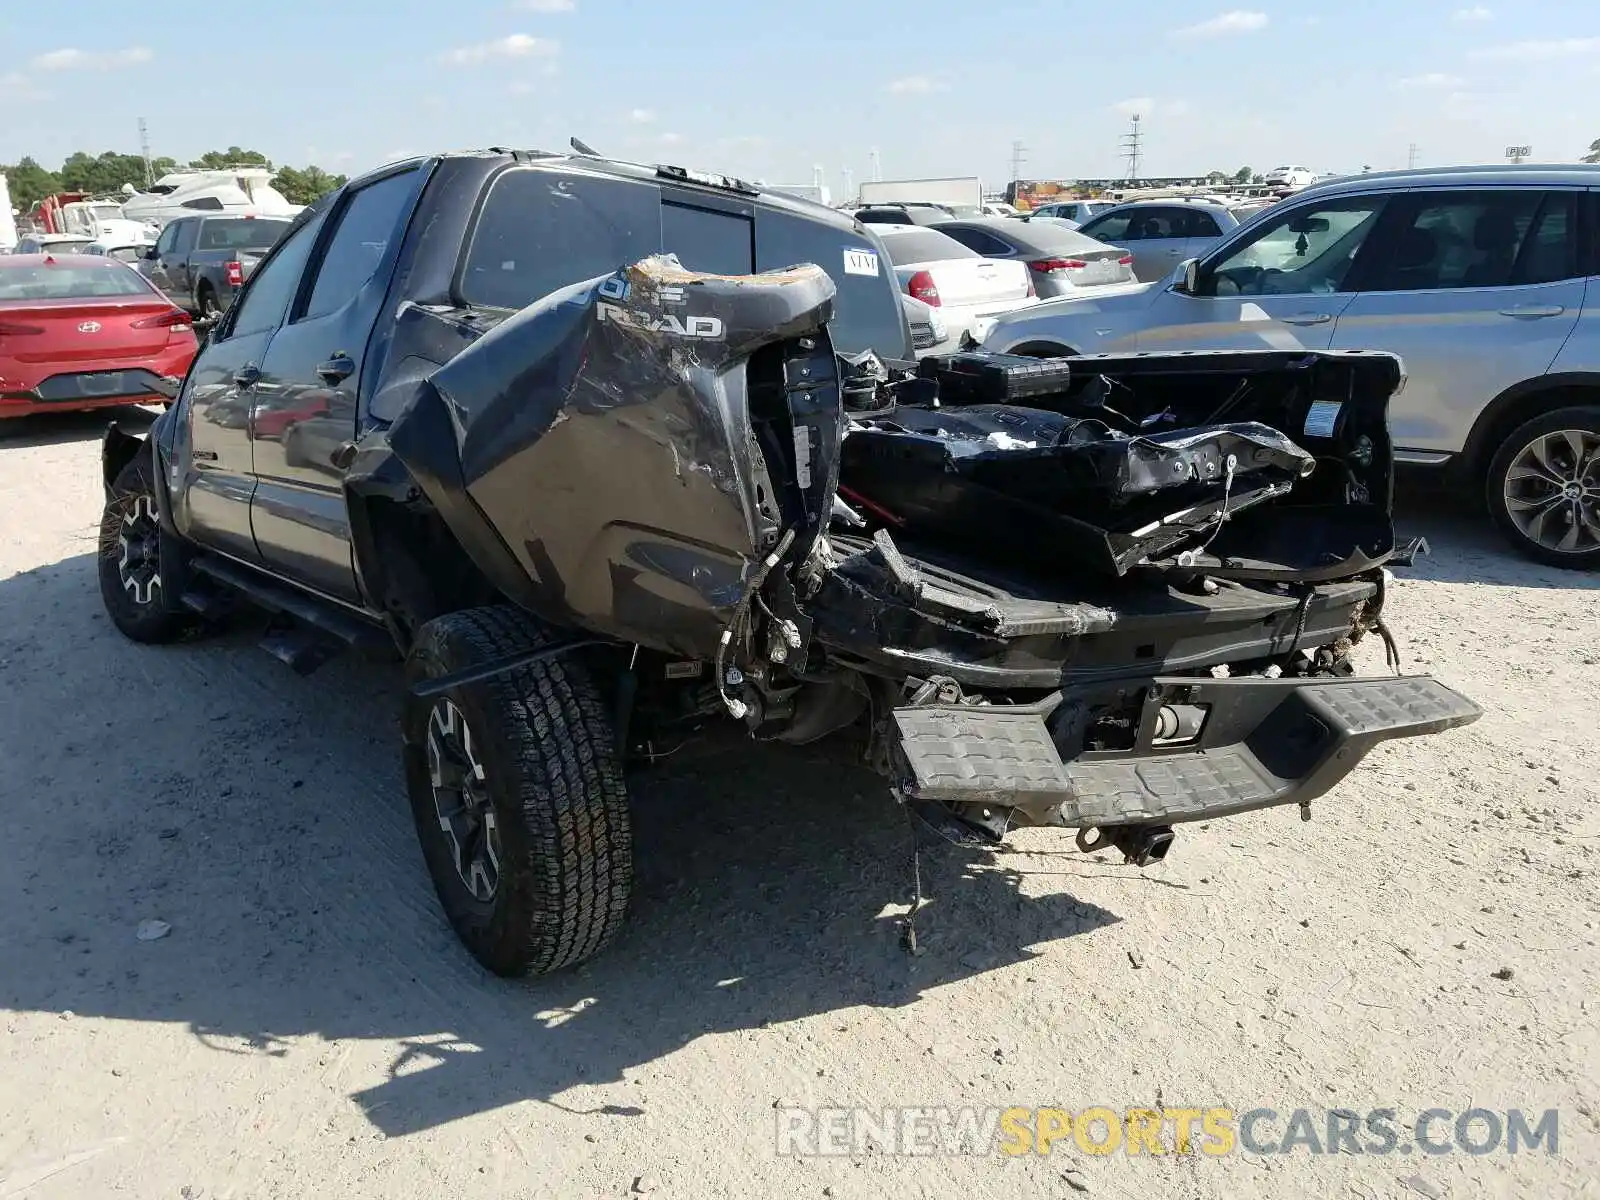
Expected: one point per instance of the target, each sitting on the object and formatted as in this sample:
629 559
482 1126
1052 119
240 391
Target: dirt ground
310 1026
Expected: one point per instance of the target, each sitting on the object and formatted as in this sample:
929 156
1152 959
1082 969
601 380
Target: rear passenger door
303 424
1477 291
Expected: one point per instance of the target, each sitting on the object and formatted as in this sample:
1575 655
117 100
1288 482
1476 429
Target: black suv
617 457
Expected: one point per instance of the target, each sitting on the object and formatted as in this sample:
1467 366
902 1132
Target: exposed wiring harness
738 708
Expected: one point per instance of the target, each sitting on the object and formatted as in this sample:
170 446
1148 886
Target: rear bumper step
1263 743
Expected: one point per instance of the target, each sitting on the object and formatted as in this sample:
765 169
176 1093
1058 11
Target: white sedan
968 290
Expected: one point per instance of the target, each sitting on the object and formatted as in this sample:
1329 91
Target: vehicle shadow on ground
54 429
262 815
1466 546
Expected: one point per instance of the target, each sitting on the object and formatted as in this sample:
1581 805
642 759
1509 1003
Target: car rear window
1052 239
539 232
68 281
923 245
241 233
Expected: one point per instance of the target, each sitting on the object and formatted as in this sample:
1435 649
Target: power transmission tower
144 150
849 183
1411 160
1019 155
877 165
1131 148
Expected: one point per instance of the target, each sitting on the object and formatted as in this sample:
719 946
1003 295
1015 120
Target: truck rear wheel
518 796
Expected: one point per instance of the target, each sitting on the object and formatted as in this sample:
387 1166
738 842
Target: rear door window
1445 240
540 232
1201 224
1551 252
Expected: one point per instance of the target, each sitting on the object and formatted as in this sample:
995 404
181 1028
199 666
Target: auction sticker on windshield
860 262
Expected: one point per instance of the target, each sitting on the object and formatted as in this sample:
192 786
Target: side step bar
303 641
1263 743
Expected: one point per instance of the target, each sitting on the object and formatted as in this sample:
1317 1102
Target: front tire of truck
518 796
131 587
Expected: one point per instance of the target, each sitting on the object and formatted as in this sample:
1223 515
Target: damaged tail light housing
922 287
234 273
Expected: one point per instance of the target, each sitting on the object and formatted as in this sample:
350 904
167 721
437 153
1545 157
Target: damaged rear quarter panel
604 434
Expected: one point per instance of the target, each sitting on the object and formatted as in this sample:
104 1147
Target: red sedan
78 332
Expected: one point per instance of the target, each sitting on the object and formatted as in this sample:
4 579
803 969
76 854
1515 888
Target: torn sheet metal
1057 488
605 437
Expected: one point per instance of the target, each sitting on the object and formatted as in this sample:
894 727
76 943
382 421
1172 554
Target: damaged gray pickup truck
619 457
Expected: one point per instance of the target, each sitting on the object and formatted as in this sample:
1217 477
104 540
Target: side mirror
1186 278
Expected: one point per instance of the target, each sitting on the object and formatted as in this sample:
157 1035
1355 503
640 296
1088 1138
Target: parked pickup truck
200 262
620 459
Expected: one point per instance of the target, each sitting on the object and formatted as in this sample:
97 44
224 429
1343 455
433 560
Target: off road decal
667 323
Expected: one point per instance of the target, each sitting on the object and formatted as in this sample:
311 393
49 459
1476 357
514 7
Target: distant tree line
1242 175
104 174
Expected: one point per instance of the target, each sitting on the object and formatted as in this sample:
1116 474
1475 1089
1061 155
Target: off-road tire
555 785
137 610
1583 419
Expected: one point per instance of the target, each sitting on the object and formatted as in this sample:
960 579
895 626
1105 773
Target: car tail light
177 321
922 287
12 329
1049 265
1125 261
234 273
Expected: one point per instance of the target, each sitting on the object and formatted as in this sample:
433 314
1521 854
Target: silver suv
1485 280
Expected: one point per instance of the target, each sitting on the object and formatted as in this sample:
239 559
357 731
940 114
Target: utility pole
1131 149
877 166
1019 154
1411 160
144 150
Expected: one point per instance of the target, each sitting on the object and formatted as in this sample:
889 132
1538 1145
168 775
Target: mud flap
1272 742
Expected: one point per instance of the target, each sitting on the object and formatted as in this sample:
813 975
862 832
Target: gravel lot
310 1026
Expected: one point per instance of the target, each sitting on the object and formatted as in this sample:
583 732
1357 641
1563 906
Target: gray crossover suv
1485 280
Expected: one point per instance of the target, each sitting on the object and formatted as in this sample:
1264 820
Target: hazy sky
767 90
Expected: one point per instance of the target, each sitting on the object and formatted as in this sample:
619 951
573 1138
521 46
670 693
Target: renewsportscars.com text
1099 1130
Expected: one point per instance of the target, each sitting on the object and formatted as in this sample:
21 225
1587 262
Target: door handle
1306 319
247 376
336 369
1534 310
342 455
